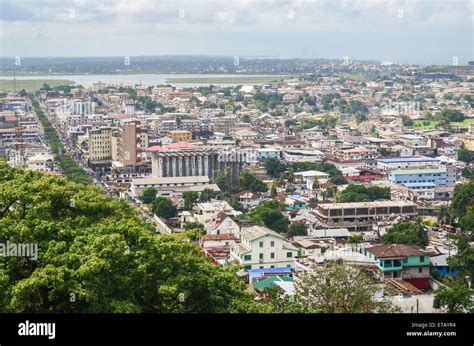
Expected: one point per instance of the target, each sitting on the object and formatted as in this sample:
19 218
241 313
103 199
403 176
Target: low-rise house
223 224
405 262
260 247
205 212
213 240
249 199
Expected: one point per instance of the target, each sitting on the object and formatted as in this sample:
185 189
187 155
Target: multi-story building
130 142
180 135
224 124
407 163
100 140
413 178
405 262
260 247
359 216
358 153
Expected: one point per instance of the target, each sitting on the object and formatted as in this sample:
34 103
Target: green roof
268 282
419 171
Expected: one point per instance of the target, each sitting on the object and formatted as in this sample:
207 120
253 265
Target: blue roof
408 159
419 184
258 273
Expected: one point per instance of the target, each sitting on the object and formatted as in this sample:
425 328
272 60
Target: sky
405 31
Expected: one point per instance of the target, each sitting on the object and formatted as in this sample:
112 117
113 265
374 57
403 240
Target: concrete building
131 141
405 262
180 135
260 247
100 144
359 216
184 159
407 163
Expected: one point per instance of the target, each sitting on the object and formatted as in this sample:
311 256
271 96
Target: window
420 270
288 265
272 266
261 267
272 243
272 255
422 258
405 260
247 257
260 256
260 244
289 254
388 264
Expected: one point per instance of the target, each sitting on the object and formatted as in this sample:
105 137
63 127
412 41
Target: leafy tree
222 179
466 155
245 118
468 173
23 93
148 195
449 115
297 228
206 195
463 200
328 193
360 117
274 167
193 225
339 288
269 216
95 255
189 199
355 239
248 181
407 121
454 299
411 233
163 207
359 193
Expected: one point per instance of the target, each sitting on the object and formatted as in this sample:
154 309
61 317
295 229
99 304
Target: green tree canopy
163 207
454 299
411 233
96 255
248 181
274 167
360 193
297 228
270 216
148 195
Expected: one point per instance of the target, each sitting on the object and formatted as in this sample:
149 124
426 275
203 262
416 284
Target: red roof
10 117
177 145
224 236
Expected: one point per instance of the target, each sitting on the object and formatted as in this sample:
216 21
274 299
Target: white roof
312 174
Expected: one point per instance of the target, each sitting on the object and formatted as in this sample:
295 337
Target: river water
133 79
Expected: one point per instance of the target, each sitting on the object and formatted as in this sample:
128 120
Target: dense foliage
269 213
96 255
411 233
334 174
360 193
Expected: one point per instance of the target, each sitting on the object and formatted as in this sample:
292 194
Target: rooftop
396 250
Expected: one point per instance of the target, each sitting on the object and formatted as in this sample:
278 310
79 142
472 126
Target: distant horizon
275 57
